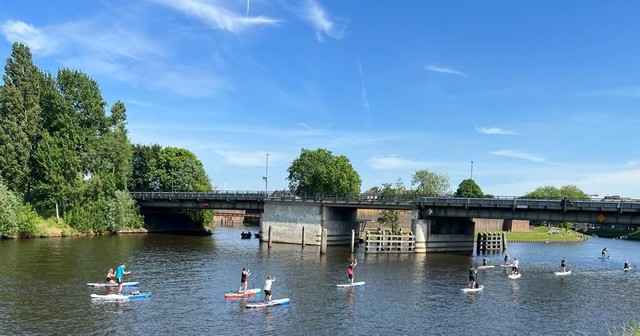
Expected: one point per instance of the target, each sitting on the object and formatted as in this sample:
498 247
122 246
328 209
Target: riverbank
543 234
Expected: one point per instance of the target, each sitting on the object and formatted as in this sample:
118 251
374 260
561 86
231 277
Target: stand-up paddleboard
509 265
269 304
627 269
128 296
105 284
607 257
466 290
514 276
247 293
485 267
355 284
563 273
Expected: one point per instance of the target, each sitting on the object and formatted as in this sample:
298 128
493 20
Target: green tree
320 172
468 188
391 217
427 183
551 192
20 113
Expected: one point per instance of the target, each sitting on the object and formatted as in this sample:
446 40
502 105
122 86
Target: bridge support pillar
299 223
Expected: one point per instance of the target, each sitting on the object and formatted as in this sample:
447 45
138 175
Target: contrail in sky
365 98
248 5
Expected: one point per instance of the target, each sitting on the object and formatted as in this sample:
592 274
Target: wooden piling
303 236
269 236
323 242
353 240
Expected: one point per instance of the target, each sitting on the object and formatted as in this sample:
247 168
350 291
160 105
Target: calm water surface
43 292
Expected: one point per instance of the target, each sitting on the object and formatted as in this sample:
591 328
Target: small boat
245 235
257 235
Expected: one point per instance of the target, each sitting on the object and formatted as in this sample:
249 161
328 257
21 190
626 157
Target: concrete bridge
440 224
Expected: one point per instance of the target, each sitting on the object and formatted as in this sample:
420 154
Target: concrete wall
427 241
513 225
287 220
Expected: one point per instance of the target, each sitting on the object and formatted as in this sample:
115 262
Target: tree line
65 154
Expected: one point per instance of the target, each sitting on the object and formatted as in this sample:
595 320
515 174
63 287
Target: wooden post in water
269 236
323 242
478 242
353 239
303 236
504 242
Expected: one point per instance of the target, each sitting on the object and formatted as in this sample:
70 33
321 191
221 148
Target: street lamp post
266 177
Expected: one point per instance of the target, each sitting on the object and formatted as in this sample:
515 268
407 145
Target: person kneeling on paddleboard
267 288
352 265
627 265
472 276
506 258
110 276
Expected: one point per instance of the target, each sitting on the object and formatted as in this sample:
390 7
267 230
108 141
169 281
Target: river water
43 292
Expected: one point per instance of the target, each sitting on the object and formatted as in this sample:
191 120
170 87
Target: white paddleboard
355 284
607 257
514 276
269 304
485 267
563 273
510 265
472 289
121 296
105 284
627 269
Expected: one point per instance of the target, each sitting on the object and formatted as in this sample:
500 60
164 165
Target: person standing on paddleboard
563 264
627 265
472 276
120 273
267 288
514 269
243 279
604 252
506 258
350 270
484 261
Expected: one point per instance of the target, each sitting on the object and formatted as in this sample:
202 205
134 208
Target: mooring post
303 236
269 236
323 242
353 239
504 242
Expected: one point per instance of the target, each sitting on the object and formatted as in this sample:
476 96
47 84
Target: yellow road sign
601 218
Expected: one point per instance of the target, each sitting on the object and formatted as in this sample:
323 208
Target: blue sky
534 93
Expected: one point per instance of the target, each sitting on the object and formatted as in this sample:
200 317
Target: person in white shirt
267 288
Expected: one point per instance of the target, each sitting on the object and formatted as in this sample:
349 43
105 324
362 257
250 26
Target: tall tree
468 188
427 183
391 217
551 192
320 172
20 113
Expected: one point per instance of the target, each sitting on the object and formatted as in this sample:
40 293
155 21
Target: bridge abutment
289 221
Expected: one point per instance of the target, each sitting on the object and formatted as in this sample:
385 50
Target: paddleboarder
563 264
472 276
506 258
484 261
243 279
110 275
627 265
604 252
120 273
514 268
267 288
350 270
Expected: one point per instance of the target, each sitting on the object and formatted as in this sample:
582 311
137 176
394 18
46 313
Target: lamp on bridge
266 177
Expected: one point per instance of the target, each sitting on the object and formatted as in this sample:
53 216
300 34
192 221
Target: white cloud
245 159
217 16
518 155
19 31
394 162
444 70
320 20
494 130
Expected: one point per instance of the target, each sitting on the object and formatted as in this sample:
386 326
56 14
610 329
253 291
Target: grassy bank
543 234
